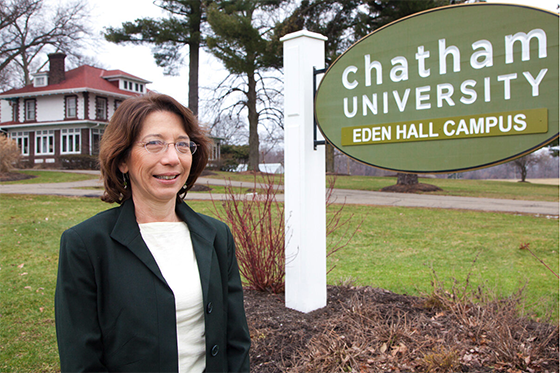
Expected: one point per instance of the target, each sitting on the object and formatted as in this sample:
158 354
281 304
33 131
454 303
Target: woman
150 286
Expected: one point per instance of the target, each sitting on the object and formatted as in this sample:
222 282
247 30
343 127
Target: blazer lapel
127 232
202 236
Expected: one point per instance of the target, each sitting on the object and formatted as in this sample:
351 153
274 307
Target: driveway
353 197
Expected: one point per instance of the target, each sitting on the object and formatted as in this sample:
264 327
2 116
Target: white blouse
171 246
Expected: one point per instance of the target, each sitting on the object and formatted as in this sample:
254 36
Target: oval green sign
450 89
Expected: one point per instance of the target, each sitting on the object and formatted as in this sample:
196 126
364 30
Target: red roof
82 77
121 74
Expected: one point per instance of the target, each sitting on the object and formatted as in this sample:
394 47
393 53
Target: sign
450 89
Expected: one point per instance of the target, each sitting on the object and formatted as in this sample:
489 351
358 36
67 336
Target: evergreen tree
243 40
344 22
168 36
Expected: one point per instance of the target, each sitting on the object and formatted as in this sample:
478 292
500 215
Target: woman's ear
123 167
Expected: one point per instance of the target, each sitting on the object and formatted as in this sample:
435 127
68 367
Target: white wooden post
304 177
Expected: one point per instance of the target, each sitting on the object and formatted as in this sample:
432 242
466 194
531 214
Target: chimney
56 73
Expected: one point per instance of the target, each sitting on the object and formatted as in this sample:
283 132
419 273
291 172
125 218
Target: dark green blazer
115 312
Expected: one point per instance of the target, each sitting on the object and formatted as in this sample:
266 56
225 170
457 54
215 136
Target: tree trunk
523 170
329 158
195 19
253 123
25 68
407 179
194 49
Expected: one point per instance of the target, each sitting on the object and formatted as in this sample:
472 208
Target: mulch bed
414 188
14 176
363 329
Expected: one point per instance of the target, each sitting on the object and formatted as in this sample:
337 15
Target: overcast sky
138 60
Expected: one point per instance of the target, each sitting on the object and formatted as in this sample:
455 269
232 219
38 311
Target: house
64 112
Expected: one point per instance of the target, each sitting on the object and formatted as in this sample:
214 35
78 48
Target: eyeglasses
158 146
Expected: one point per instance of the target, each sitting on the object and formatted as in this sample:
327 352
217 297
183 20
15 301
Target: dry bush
514 343
518 343
329 352
257 223
441 359
365 337
9 154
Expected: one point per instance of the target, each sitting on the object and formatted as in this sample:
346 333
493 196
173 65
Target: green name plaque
450 89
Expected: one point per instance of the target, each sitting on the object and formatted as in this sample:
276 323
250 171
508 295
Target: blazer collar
127 232
202 235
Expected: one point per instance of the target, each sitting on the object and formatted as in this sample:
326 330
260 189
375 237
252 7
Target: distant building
64 113
267 168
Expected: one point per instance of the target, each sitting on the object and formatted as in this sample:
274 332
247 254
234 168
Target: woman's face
157 177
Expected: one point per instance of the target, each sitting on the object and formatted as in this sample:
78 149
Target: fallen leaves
372 330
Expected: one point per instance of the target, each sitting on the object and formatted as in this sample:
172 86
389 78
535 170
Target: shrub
9 154
232 156
79 162
256 220
257 224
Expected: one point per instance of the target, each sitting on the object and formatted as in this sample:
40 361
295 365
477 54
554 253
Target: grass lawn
459 187
51 177
394 249
400 249
451 187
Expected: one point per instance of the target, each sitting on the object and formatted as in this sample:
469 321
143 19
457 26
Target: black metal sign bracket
315 141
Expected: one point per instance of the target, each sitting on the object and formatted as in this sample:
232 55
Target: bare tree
230 100
522 164
36 28
232 130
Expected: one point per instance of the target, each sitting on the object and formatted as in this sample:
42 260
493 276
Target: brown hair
122 131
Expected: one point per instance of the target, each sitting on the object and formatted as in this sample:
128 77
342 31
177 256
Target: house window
137 89
117 104
95 139
39 81
125 84
141 87
101 108
70 141
71 107
30 110
22 139
44 142
214 155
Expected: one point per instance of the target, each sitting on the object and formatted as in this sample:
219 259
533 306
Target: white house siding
21 109
50 108
111 109
80 105
91 109
5 111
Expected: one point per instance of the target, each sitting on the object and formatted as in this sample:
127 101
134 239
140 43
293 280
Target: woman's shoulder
210 220
219 225
207 220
